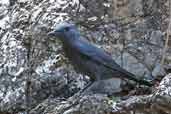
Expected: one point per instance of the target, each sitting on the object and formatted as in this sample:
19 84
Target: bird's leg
98 75
86 87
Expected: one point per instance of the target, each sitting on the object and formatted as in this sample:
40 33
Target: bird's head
65 32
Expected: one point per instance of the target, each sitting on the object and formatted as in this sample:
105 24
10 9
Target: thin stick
167 37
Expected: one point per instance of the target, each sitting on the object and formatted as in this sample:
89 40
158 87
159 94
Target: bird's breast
81 63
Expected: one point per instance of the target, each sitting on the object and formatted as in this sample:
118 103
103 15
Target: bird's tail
140 81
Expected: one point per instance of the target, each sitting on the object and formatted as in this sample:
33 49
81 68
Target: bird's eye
66 29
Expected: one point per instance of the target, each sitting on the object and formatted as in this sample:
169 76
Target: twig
167 37
28 78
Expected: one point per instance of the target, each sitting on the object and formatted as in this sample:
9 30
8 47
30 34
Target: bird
87 58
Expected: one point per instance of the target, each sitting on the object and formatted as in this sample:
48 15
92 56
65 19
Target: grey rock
158 71
157 37
135 8
110 86
147 27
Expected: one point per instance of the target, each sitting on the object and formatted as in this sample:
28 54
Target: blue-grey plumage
89 59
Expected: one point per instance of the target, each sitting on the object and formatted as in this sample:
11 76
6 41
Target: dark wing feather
100 56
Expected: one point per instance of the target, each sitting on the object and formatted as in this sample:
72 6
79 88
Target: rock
132 65
137 10
158 71
156 102
110 86
90 104
157 37
104 23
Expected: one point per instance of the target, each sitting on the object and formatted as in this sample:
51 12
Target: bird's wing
100 56
97 55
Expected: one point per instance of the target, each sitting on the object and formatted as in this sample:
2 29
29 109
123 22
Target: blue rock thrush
89 59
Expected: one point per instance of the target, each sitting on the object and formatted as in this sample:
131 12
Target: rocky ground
36 76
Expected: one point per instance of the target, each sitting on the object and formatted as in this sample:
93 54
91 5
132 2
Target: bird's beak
52 33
